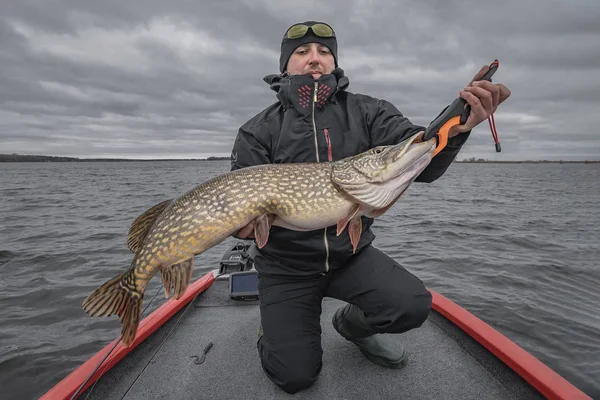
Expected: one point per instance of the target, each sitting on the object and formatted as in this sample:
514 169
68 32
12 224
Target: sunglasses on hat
319 29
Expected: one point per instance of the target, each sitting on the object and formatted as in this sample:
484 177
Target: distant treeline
35 158
473 160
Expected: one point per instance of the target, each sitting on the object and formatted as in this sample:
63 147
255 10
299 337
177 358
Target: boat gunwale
544 379
532 370
72 382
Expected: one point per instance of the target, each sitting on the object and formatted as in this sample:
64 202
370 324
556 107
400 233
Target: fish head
377 177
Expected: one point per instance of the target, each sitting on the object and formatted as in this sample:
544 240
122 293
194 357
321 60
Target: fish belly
318 219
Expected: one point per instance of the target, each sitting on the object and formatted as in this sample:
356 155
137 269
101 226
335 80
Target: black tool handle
487 77
456 108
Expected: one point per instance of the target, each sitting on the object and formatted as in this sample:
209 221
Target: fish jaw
391 189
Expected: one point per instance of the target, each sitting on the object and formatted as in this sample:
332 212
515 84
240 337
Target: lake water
518 245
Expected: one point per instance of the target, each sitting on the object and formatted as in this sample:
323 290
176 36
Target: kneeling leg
290 345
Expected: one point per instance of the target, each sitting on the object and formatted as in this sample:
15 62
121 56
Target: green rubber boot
381 349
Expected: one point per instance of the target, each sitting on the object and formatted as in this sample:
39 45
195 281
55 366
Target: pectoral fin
261 230
341 225
355 229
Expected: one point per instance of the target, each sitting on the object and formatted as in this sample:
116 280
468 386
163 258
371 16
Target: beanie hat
289 45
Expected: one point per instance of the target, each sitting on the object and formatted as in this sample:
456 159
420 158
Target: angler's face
311 58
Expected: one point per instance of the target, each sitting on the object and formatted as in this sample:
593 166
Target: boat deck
445 362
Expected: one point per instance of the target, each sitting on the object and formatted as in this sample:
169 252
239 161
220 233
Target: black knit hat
289 45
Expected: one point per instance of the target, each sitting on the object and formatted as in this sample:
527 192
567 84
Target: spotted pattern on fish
302 196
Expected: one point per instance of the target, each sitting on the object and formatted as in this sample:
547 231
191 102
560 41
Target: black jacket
335 125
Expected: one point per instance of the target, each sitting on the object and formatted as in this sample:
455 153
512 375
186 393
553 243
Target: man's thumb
480 74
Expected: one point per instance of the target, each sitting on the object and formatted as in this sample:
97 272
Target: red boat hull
537 374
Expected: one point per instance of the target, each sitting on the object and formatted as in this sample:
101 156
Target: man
317 119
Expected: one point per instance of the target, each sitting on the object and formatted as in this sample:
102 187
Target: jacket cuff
457 141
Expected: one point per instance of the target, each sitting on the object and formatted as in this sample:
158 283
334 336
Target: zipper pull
329 153
315 95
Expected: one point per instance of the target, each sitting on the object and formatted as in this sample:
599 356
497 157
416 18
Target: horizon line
465 160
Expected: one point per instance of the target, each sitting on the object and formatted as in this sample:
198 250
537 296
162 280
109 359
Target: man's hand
484 97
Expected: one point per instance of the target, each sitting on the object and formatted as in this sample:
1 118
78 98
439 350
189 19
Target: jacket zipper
313 121
317 152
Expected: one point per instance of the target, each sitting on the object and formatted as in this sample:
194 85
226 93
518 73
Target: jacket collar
298 90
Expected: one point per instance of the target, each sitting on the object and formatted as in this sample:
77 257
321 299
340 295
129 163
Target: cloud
168 80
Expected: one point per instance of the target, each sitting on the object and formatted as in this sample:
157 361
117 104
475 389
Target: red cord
492 123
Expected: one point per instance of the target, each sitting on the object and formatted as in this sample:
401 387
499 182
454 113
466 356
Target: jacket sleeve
389 126
248 150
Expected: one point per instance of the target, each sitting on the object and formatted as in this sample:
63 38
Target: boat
203 346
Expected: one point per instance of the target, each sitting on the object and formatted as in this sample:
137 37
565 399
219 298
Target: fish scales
212 210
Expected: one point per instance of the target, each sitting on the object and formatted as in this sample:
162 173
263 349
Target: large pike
302 196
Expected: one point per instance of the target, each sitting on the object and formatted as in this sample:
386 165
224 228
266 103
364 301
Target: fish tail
118 296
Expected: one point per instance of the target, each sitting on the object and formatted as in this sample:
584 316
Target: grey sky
176 79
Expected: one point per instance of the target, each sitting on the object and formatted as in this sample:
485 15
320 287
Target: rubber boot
384 350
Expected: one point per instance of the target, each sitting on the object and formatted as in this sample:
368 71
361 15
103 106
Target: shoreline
14 158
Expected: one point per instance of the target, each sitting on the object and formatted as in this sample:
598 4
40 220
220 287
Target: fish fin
261 230
142 224
118 296
355 230
344 221
378 212
177 277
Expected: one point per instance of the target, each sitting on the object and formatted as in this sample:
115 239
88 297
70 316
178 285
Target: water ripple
515 244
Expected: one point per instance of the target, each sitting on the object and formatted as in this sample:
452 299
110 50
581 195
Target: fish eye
377 151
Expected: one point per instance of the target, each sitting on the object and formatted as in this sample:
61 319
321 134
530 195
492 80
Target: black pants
290 350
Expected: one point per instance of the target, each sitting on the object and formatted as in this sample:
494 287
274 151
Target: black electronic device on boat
237 262
243 285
